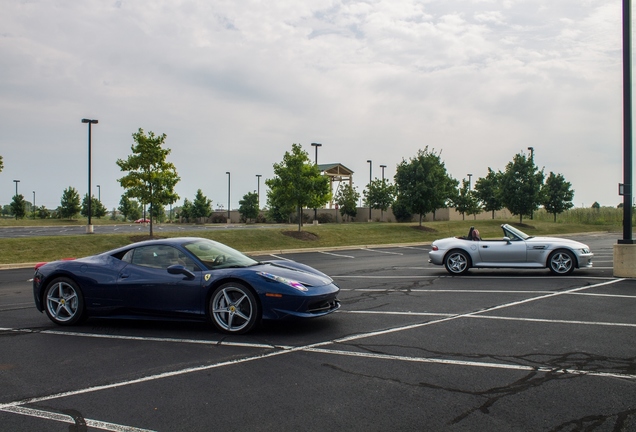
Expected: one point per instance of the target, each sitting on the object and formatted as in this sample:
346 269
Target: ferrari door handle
485 247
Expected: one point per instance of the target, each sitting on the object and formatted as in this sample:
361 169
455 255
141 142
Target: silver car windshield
512 232
216 255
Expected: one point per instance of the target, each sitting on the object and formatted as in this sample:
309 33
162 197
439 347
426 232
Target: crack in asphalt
549 367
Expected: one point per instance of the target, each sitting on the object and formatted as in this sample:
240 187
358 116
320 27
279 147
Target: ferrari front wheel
233 308
64 303
457 262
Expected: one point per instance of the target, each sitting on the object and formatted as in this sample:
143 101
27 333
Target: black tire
233 308
64 302
561 262
457 262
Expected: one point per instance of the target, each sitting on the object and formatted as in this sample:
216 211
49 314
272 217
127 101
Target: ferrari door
147 288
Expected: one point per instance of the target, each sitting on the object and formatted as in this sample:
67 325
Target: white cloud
234 84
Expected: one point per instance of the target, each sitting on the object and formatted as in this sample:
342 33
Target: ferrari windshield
512 232
216 255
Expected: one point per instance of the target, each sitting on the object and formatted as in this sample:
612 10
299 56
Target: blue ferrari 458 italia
182 278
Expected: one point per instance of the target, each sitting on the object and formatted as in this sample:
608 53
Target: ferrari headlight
292 283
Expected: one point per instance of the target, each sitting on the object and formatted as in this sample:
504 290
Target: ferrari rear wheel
233 308
457 262
64 303
561 262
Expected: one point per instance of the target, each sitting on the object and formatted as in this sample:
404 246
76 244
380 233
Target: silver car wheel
456 262
64 302
561 262
233 308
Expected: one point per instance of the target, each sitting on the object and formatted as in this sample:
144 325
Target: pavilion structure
336 173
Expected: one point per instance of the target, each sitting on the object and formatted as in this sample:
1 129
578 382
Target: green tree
423 184
158 213
347 199
487 191
201 206
97 208
379 194
520 186
43 212
130 209
248 206
18 206
150 177
69 204
597 206
279 209
401 211
557 194
1 164
186 210
465 201
298 183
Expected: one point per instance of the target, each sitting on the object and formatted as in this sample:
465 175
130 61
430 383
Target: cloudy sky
234 83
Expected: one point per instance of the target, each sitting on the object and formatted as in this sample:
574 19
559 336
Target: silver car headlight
585 251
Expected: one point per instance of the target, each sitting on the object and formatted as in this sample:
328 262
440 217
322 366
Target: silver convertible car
515 250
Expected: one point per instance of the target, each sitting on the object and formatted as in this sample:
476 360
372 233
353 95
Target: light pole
258 177
16 186
99 197
316 145
532 160
228 196
370 173
382 166
470 177
33 205
627 127
89 227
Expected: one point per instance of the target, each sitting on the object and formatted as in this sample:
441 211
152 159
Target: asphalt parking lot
411 349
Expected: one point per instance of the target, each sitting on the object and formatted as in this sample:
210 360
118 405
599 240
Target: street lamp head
316 144
369 161
227 172
92 121
382 166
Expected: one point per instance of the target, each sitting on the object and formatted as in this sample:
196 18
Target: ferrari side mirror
179 269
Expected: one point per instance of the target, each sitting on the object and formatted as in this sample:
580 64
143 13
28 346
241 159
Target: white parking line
147 339
472 363
416 248
337 255
279 257
553 321
64 418
502 277
384 252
